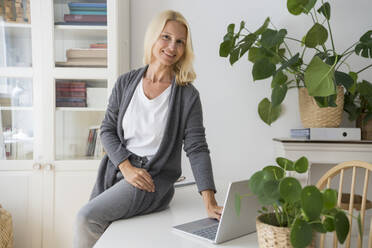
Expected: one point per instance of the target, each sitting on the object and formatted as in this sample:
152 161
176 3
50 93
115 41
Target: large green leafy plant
271 57
303 210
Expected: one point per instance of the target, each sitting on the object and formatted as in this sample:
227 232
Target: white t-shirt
144 121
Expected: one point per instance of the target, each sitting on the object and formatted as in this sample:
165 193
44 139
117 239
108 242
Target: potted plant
358 105
290 209
320 77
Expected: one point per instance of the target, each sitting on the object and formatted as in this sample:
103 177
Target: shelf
80 109
15 25
18 72
78 158
79 27
16 108
79 73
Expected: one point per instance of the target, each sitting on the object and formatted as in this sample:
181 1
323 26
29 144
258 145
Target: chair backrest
325 182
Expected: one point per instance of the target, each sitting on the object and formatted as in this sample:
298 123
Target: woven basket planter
270 236
314 116
366 128
6 229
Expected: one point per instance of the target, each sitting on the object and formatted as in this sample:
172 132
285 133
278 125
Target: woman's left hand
213 210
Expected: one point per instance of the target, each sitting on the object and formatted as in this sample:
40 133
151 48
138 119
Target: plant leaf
262 69
365 88
228 41
350 106
311 202
263 27
318 227
296 7
301 165
256 53
309 6
271 191
331 60
325 9
286 164
330 198
277 172
364 48
237 204
256 182
271 38
290 189
360 229
279 78
267 112
317 35
301 234
326 101
342 226
329 224
292 61
344 79
234 55
278 94
319 78
247 43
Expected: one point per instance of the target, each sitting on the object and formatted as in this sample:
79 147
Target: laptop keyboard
209 232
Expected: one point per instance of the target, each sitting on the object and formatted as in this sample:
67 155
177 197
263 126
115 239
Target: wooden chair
325 182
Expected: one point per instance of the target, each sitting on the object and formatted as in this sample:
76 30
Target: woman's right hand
137 177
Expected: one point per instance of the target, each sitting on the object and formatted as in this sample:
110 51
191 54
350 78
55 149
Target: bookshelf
48 176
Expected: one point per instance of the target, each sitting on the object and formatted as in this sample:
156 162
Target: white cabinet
49 153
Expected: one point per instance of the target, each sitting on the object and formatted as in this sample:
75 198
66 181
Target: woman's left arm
196 148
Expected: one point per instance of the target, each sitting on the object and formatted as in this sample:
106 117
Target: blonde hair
183 68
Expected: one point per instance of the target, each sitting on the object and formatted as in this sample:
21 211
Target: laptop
231 225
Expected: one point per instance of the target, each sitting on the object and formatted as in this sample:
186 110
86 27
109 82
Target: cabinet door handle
36 166
49 167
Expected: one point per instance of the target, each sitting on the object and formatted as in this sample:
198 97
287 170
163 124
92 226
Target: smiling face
170 46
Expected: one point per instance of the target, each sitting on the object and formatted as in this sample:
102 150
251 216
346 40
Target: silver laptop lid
232 225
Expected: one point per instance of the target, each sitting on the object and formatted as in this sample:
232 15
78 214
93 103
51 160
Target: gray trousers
121 201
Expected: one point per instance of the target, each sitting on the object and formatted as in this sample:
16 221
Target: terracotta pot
366 128
270 236
314 116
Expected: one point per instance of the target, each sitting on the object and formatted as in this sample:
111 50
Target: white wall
239 141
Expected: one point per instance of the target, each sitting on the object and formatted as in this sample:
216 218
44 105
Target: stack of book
71 94
86 14
94 145
15 10
92 57
352 134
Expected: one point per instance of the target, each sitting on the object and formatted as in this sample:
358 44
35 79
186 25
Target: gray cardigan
184 126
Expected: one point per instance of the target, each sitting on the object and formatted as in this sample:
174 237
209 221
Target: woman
151 112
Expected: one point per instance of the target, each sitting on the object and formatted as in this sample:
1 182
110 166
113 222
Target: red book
61 94
65 84
85 18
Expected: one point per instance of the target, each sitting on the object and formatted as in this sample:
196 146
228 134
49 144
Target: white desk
155 230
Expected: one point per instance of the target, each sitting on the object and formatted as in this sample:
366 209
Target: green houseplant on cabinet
294 211
320 77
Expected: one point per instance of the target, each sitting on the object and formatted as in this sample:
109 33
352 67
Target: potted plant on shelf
291 212
319 80
358 105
